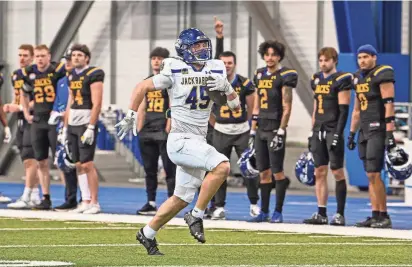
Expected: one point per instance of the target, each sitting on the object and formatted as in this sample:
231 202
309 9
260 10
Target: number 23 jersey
189 103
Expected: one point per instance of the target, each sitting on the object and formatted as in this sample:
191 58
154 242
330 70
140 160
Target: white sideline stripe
296 265
280 227
280 233
386 240
68 228
335 236
213 245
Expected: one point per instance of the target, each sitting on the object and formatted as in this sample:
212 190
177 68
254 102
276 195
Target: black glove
277 142
351 141
390 141
335 141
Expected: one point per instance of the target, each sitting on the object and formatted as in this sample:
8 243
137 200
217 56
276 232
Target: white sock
198 213
152 203
26 193
84 187
149 232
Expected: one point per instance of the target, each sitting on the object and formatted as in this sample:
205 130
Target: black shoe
45 204
66 206
366 223
209 212
316 219
150 245
382 222
195 227
147 209
338 220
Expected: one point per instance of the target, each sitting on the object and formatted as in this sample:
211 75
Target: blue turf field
127 200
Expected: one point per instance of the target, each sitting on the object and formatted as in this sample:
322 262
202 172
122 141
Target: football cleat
254 210
338 220
66 206
367 222
195 226
219 214
21 203
45 204
81 208
93 209
277 217
4 199
262 217
147 209
382 223
316 219
150 245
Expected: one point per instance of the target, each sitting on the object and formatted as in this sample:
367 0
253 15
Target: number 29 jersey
189 103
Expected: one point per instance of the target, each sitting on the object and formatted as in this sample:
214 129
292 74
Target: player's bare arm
314 112
141 115
139 93
26 108
212 119
287 97
388 94
3 116
250 103
97 98
255 114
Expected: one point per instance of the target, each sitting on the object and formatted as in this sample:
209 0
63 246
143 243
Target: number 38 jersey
326 96
44 85
189 103
79 85
367 87
269 88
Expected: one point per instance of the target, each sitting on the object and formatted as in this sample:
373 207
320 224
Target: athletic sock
265 190
341 191
281 187
198 213
149 232
322 211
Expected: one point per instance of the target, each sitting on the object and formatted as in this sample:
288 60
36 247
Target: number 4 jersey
189 103
367 87
79 84
326 96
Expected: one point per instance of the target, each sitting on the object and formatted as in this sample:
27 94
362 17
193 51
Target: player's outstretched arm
139 93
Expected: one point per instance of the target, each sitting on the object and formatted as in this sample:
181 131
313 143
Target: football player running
188 79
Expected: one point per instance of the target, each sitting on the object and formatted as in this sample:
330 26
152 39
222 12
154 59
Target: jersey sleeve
95 75
60 70
218 67
344 82
289 78
384 74
164 79
313 81
248 86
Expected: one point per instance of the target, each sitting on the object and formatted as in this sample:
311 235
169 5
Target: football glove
88 135
351 141
217 82
7 135
335 141
126 124
277 142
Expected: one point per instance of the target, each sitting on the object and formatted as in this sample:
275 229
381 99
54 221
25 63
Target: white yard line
68 228
214 244
335 236
282 227
280 233
386 240
280 265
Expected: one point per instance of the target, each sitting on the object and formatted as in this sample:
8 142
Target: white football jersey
189 102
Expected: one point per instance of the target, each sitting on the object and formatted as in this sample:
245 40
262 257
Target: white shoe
4 199
219 214
93 209
21 203
35 200
254 210
81 208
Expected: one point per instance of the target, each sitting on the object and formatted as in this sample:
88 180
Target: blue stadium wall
378 24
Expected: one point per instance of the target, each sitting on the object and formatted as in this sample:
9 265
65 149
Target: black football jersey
243 87
17 81
367 87
269 88
79 85
43 85
326 92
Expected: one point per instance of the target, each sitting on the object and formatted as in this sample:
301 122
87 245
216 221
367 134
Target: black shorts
372 150
322 153
80 152
43 137
265 156
23 140
225 142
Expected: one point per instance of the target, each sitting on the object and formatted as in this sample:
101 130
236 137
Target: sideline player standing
30 197
326 141
374 111
187 80
271 114
83 110
40 81
153 128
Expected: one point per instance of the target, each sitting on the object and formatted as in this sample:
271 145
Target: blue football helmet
399 164
305 169
247 164
187 38
63 159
